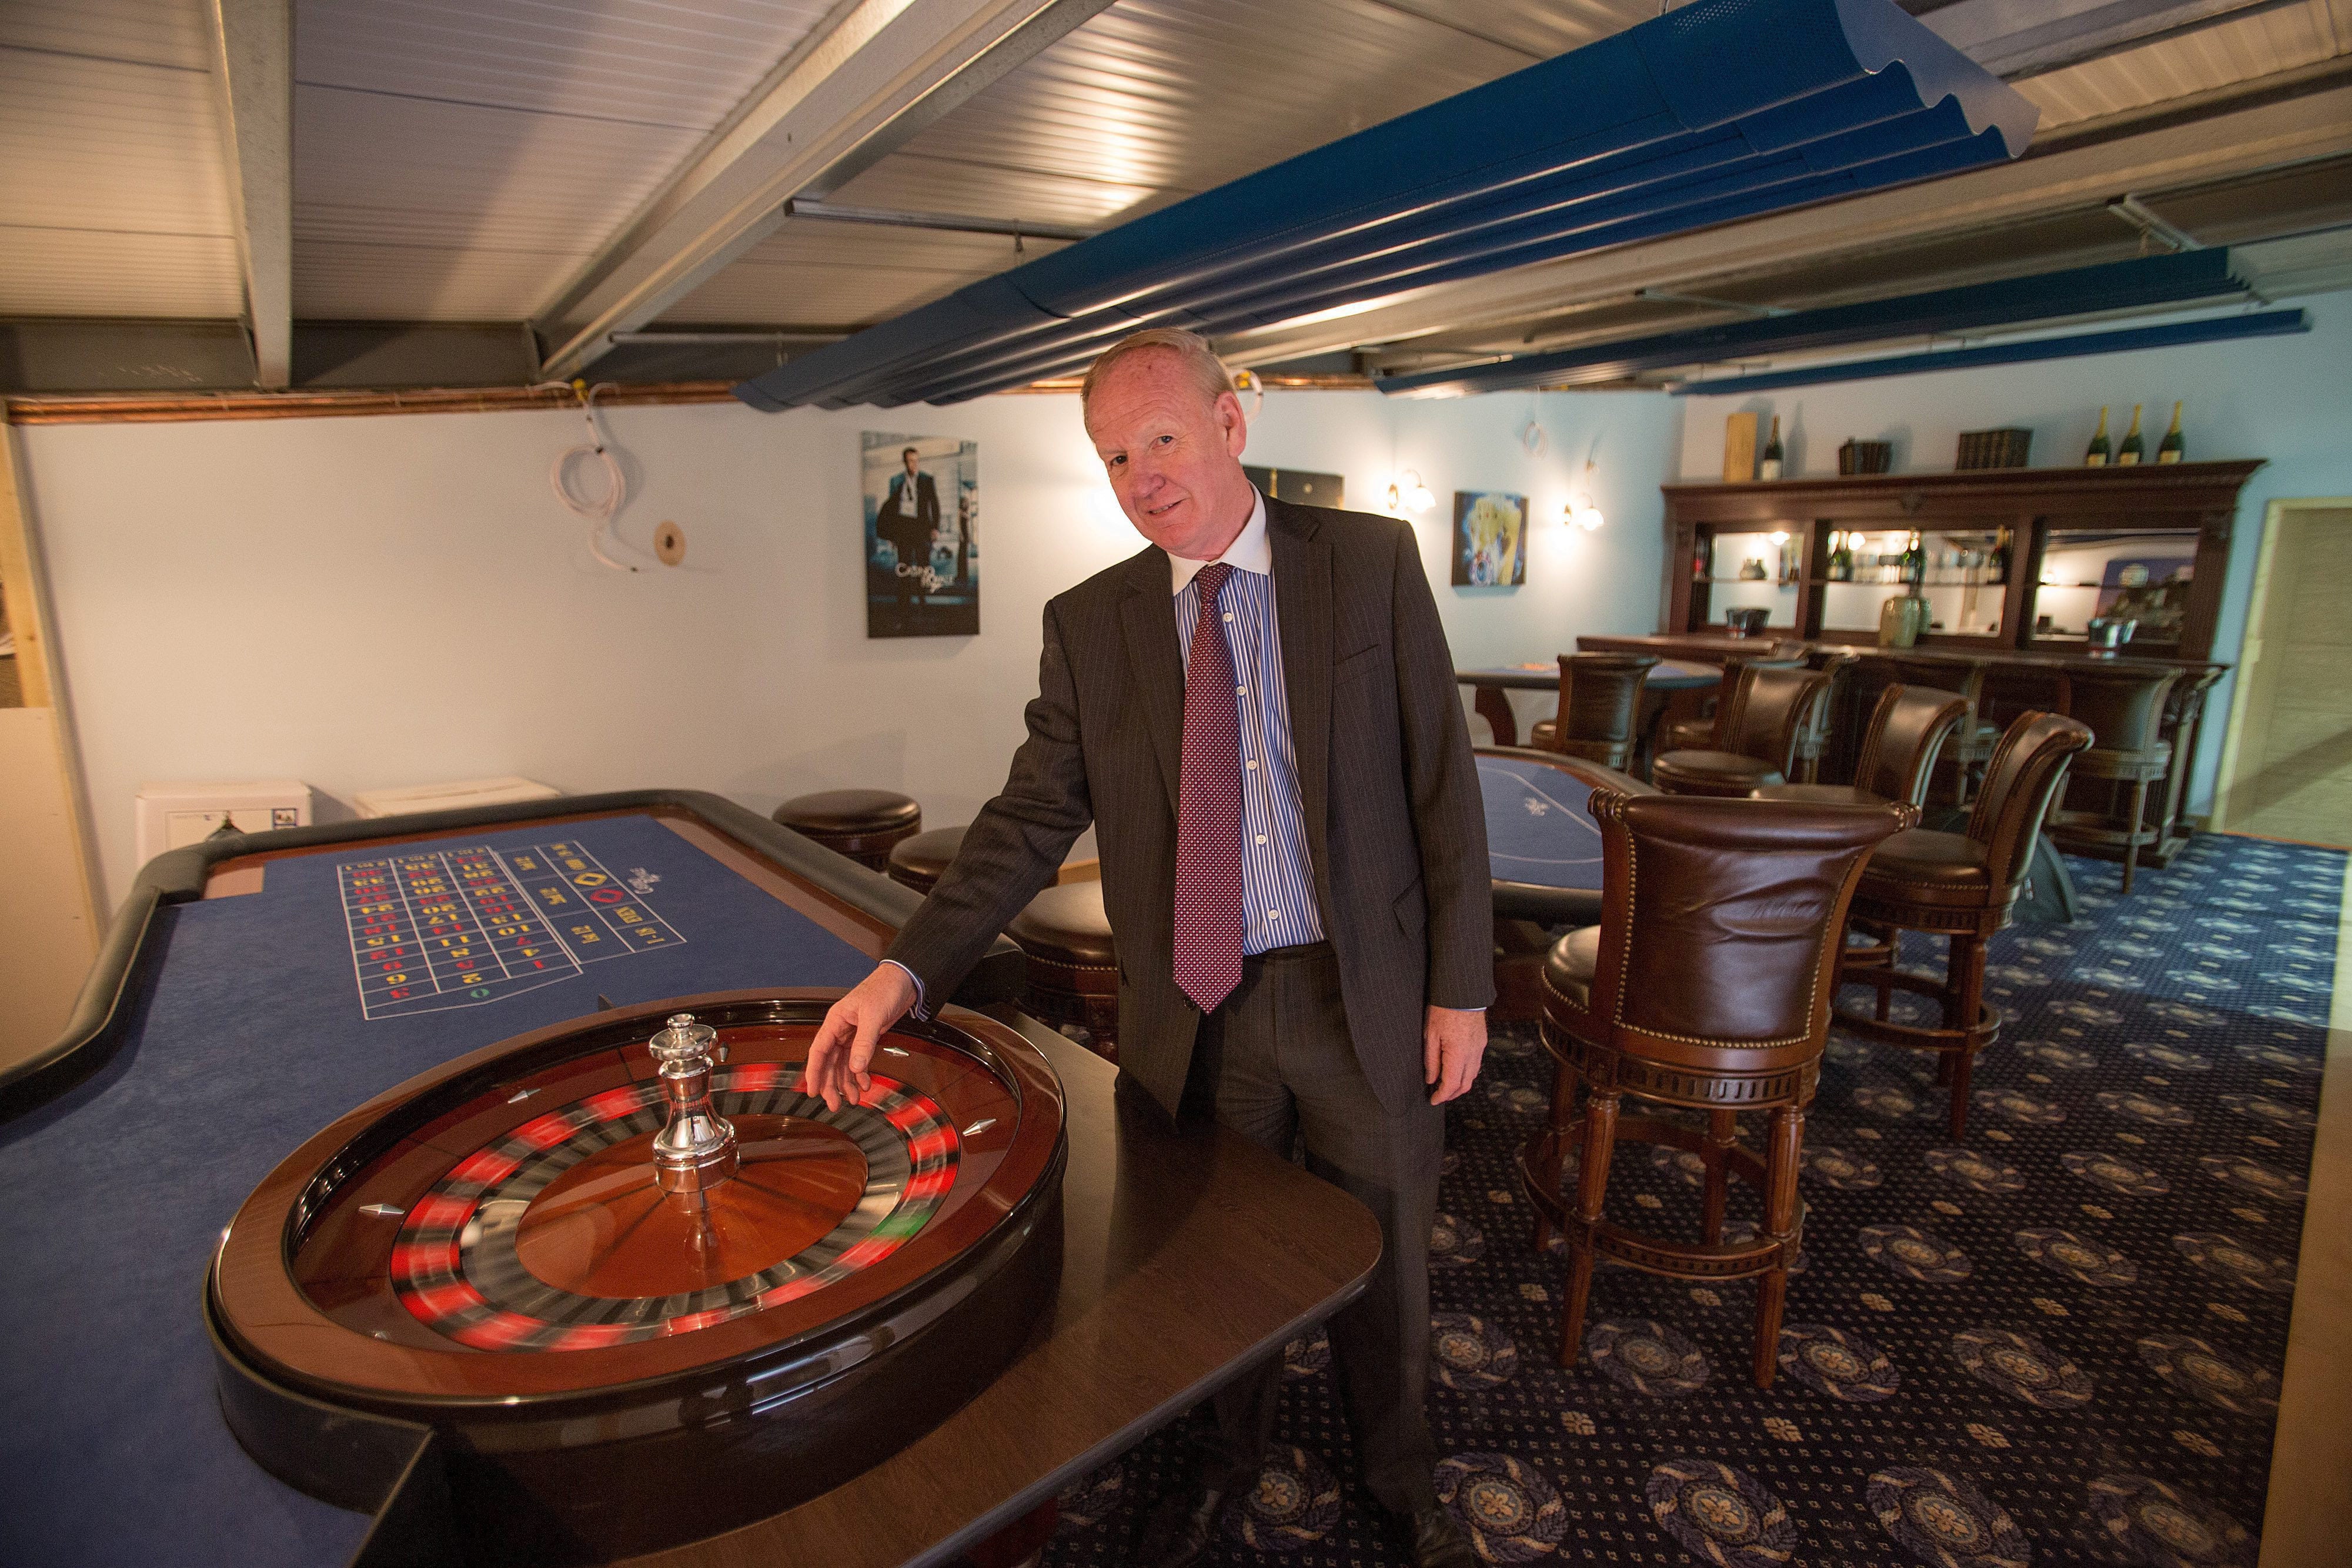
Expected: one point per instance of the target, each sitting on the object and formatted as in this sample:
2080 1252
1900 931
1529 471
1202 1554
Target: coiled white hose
598 513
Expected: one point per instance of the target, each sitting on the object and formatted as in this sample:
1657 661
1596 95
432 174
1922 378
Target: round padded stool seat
1073 964
1545 735
860 823
1919 860
1712 773
918 861
1570 968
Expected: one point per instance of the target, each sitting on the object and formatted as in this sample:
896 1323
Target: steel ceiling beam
882 71
2230 141
2163 335
253 86
2201 276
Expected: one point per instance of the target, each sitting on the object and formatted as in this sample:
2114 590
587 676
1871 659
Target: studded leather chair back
2122 704
2025 772
1907 732
1721 923
1601 698
1770 710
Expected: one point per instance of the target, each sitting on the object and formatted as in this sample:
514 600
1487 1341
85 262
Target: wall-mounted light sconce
1408 494
1581 510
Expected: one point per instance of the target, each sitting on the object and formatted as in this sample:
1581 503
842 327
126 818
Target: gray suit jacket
1395 825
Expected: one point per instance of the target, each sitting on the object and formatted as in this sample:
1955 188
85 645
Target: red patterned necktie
1209 812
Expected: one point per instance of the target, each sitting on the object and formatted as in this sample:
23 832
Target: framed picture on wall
920 499
1300 485
1490 539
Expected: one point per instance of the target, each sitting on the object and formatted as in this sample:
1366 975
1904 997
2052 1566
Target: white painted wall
375 601
2287 400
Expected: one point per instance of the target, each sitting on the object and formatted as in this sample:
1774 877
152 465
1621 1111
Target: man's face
908 458
1170 453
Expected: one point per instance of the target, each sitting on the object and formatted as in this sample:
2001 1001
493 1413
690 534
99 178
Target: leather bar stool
1757 733
2122 704
1838 665
1706 986
1073 964
1599 708
1907 731
1696 733
1961 885
860 823
1971 745
918 861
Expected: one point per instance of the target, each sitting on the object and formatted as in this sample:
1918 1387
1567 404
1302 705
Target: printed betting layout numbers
461 927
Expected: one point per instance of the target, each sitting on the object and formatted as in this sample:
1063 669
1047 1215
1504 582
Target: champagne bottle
2097 457
1997 565
2133 448
1771 468
1841 558
1914 562
2172 449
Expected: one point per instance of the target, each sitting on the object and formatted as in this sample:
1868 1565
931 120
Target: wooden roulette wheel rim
315 1291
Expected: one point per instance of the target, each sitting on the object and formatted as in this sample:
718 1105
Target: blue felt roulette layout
434 929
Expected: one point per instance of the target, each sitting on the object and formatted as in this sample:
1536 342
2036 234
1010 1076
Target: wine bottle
1841 558
1997 565
2172 449
2133 448
2097 457
1914 562
1771 468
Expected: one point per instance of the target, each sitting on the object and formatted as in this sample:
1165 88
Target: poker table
1541 840
1490 701
291 991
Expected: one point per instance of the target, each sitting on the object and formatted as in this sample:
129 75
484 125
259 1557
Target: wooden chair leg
1720 1133
1964 978
2131 839
1783 1138
1563 1102
1592 1187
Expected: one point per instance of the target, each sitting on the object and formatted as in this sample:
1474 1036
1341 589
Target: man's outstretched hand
1452 1042
843 1051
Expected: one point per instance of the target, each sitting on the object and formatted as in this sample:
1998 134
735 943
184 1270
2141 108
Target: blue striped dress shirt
1277 884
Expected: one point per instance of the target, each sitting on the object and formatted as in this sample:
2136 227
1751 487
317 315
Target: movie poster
920 496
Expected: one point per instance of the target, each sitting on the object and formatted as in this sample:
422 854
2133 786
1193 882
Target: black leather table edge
102 1014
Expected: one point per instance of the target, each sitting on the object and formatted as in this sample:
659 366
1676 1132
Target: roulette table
434 1189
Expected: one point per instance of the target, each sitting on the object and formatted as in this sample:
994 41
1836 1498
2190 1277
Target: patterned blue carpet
2059 1344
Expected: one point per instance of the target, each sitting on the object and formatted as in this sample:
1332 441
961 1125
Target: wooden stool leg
1720 1136
1783 1138
1966 981
2131 839
1591 1187
1563 1102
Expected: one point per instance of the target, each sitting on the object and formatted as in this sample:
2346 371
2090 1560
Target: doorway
2286 766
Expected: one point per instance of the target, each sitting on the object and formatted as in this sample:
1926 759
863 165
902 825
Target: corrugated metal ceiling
458 162
112 200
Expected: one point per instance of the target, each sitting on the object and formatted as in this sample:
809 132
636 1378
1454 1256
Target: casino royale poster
920 497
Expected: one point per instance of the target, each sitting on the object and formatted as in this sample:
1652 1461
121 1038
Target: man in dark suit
1258 715
909 515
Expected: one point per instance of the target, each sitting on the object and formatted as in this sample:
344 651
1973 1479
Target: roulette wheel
634 1285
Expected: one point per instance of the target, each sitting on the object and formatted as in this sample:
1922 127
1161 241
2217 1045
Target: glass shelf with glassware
1962 573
